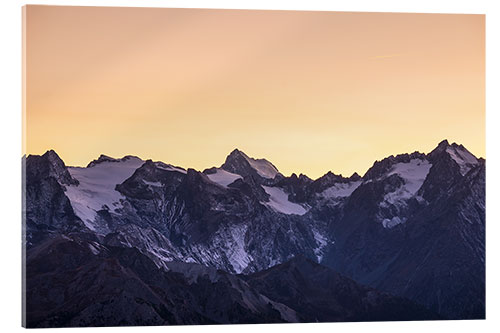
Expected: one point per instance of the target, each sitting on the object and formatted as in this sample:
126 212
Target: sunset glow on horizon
311 92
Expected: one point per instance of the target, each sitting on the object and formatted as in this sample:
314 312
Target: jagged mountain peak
330 178
105 158
240 163
330 174
52 155
333 186
457 153
241 222
49 165
440 148
384 166
237 152
444 143
355 177
443 151
305 177
301 177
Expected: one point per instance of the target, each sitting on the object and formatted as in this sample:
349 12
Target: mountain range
133 242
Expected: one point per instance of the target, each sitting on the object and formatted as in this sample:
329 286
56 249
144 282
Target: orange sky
309 91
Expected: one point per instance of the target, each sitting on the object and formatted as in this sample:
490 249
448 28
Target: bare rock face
47 209
319 294
412 227
424 247
75 282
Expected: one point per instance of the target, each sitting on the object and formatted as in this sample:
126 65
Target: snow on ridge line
263 167
168 167
223 177
279 202
340 190
97 188
463 158
108 159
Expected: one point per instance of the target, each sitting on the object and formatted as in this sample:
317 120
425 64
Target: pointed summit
464 158
49 165
444 143
355 177
51 155
237 152
457 153
240 163
440 148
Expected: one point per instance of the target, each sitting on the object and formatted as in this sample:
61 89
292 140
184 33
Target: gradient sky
309 91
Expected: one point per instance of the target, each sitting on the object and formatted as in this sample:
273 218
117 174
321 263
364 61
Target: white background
10 154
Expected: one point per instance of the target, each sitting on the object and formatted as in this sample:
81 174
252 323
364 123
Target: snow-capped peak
239 163
263 167
96 187
462 157
458 153
104 158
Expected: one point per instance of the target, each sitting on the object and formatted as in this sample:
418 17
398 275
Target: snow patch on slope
390 223
322 242
238 256
413 174
340 190
223 177
97 188
94 248
263 167
155 184
463 158
278 201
